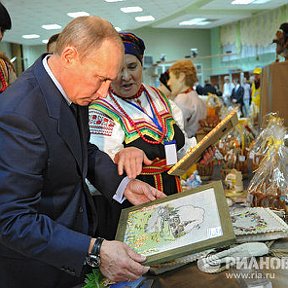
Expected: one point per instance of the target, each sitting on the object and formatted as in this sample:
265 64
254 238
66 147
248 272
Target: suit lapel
72 137
59 110
84 130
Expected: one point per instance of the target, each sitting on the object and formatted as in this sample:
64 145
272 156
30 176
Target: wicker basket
214 105
260 199
205 170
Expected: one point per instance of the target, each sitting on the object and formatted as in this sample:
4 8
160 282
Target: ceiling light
144 18
77 14
118 29
110 1
241 2
203 23
194 21
30 36
261 1
131 9
45 41
51 26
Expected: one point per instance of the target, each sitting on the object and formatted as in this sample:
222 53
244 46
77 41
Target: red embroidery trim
158 182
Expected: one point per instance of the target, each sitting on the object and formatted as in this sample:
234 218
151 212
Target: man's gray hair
86 34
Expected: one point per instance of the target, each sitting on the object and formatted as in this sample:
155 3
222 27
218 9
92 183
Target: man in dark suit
237 95
47 217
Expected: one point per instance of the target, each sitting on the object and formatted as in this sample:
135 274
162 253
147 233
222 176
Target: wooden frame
194 154
178 225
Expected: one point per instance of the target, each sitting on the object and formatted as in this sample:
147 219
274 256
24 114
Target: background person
7 71
182 77
48 220
227 91
256 93
246 97
51 44
208 88
5 21
163 87
237 95
281 40
199 88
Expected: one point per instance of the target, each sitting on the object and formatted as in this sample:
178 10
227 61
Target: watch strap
97 246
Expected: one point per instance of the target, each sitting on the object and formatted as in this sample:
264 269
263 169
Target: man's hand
130 160
138 192
121 263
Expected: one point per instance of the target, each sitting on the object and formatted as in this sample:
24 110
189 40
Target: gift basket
205 170
259 147
213 117
245 133
235 148
214 106
269 185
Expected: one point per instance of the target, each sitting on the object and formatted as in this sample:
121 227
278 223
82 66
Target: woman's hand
130 160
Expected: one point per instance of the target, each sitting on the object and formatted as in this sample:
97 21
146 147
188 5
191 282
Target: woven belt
155 170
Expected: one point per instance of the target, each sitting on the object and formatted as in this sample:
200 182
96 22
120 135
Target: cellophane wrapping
269 185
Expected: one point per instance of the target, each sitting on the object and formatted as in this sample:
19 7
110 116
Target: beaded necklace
133 124
137 95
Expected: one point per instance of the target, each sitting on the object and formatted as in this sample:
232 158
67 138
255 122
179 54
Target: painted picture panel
178 225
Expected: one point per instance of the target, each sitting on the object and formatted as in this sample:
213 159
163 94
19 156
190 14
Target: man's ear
69 55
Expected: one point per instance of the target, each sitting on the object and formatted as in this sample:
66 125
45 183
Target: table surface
190 276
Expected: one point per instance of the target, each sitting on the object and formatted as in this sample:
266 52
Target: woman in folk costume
134 124
137 115
7 72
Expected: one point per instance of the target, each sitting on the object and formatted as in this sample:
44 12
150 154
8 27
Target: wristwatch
93 259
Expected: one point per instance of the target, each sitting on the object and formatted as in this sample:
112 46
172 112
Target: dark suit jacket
238 94
46 211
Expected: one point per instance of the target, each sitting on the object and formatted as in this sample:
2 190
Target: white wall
31 53
5 47
175 44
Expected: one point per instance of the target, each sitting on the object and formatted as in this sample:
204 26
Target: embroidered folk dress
111 130
7 74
